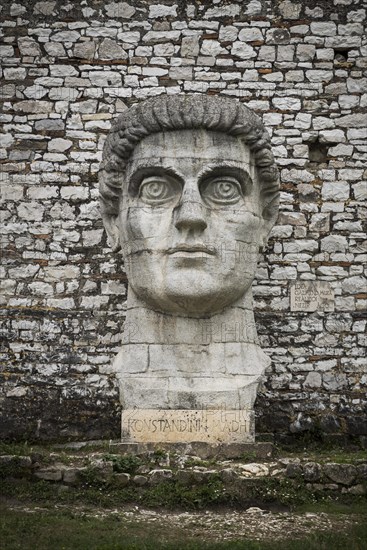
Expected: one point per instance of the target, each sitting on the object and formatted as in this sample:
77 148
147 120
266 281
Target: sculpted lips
194 249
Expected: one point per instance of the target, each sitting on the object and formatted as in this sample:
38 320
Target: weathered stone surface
312 471
72 475
28 46
140 480
49 474
16 461
85 50
225 374
157 476
119 9
50 214
122 479
340 473
176 426
312 296
109 49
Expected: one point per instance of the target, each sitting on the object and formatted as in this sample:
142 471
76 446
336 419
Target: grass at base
63 531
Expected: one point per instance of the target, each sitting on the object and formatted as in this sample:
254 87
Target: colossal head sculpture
189 193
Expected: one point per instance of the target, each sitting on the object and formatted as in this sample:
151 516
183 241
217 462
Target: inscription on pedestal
187 426
312 296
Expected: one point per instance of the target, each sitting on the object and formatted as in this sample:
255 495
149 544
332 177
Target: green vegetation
65 530
172 494
124 463
95 491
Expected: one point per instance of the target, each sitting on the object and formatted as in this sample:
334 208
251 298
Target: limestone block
155 37
211 47
119 10
122 479
6 51
106 78
290 10
161 10
230 10
65 36
250 34
110 49
228 33
243 50
44 8
85 50
344 474
312 471
28 46
181 426
59 145
327 28
49 474
335 191
286 103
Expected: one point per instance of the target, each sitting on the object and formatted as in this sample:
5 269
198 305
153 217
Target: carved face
190 221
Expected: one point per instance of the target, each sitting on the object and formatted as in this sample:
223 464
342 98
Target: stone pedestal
188 380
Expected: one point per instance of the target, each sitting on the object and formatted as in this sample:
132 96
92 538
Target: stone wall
68 69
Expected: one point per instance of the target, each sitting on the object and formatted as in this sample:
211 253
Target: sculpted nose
190 214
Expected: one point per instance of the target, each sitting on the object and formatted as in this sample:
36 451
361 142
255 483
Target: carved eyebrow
150 168
218 168
227 169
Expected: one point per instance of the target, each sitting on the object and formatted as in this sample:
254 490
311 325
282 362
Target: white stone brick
332 136
59 145
253 7
334 243
323 28
290 10
243 50
61 303
322 122
230 10
28 46
335 191
164 50
32 211
41 289
119 10
360 191
341 150
161 10
106 78
92 237
211 48
155 37
350 174
228 33
74 193
250 34
286 103
284 273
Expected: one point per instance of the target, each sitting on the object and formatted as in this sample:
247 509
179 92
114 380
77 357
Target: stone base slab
205 451
187 426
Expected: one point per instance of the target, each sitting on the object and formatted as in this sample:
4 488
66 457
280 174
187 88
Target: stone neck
145 326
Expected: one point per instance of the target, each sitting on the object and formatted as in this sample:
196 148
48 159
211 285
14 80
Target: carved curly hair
182 112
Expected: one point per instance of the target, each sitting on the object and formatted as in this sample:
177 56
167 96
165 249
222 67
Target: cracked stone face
189 193
190 221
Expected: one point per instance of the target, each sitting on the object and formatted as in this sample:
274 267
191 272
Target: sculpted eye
222 190
158 190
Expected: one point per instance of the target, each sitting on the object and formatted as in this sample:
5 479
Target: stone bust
189 193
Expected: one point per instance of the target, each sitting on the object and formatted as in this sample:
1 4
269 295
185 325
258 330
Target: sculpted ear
270 214
111 225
